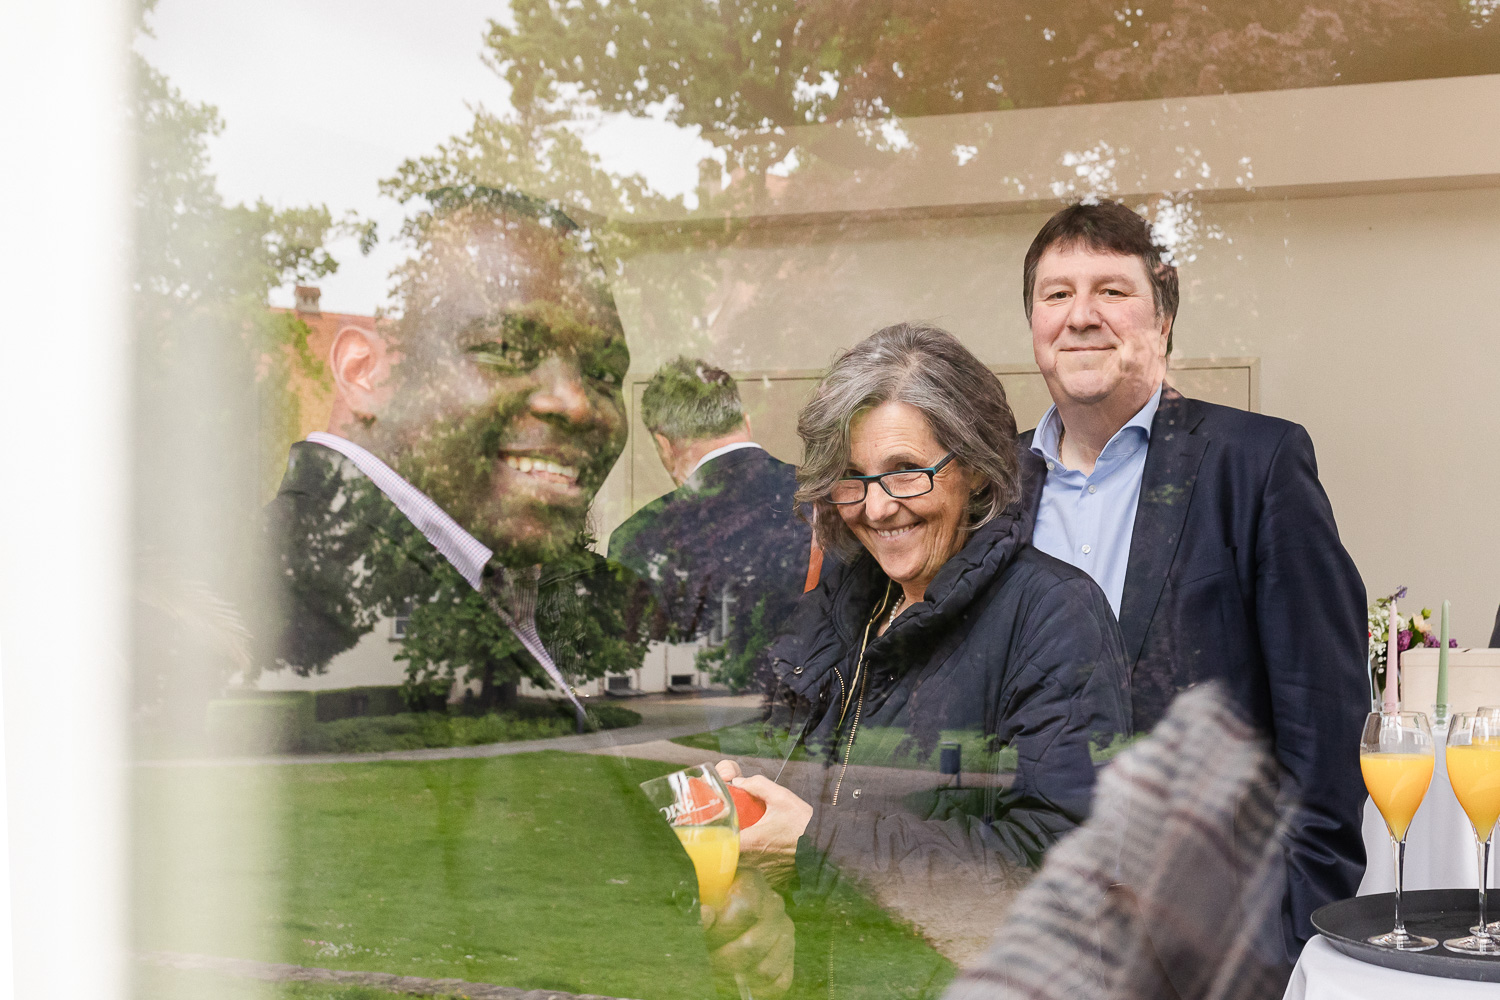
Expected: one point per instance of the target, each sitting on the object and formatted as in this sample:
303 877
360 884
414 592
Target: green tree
212 377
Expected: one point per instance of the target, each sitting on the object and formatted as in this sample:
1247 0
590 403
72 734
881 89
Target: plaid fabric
514 599
1173 886
467 553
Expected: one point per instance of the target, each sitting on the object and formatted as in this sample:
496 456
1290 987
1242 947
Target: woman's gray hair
929 369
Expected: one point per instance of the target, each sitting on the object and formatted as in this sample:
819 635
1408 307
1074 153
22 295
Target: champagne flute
1492 713
700 810
1396 759
1473 757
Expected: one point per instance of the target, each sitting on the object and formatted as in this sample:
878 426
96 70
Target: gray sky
322 99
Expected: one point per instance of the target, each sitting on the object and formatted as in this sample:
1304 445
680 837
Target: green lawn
152 983
880 746
884 746
540 871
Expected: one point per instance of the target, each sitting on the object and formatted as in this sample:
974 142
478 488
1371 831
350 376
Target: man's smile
540 467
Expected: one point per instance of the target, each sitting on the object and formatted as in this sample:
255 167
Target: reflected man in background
723 554
467 441
1207 529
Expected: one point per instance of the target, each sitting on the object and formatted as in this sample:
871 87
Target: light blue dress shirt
1088 521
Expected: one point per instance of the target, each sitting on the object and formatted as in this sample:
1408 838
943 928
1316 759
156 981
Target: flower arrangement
1411 630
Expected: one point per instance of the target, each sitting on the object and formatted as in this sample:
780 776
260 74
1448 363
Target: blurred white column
63 491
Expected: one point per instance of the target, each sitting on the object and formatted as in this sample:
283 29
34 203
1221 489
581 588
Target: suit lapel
1172 461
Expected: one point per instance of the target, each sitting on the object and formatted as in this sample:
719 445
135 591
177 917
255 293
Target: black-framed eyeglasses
903 484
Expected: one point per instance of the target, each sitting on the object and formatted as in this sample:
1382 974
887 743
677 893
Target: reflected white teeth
893 532
526 464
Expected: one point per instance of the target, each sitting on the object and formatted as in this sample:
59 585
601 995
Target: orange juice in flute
1473 758
700 809
1397 782
1396 759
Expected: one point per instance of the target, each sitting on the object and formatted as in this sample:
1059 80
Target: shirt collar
467 553
1049 430
721 451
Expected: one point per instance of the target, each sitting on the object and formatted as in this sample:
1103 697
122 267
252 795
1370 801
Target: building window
399 624
619 683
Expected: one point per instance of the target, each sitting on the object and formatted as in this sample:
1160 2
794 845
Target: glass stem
1484 870
1400 854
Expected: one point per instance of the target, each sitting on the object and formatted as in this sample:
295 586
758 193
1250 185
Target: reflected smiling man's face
504 401
526 419
1095 328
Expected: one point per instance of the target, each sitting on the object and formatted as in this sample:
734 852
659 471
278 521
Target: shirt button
1087 550
1093 488
1051 466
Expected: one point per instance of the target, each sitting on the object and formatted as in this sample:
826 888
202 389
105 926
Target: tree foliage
213 364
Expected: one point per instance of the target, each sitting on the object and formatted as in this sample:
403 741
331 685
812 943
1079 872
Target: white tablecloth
1439 855
1439 845
1324 973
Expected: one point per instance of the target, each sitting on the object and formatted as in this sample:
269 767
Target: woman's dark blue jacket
1011 650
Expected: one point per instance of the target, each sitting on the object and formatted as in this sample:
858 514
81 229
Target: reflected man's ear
664 450
361 366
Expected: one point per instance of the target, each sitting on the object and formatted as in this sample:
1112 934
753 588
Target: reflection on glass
851 168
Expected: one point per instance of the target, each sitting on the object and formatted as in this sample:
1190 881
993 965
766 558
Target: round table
1440 854
1325 973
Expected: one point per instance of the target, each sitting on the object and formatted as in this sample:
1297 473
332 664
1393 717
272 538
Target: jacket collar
961 580
1167 484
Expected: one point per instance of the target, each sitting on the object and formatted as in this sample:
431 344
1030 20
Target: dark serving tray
1436 913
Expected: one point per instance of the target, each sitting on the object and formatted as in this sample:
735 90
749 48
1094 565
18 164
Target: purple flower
1403 640
1452 643
1430 641
1400 593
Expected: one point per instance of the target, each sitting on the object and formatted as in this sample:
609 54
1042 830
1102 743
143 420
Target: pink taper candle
1392 659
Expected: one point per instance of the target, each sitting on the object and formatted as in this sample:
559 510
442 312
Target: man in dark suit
1207 529
724 554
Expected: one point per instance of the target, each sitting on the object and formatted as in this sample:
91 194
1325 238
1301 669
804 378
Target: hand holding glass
1396 758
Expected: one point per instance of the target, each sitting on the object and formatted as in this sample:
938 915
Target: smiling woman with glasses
983 677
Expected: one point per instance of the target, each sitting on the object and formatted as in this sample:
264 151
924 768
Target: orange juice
1397 782
1474 772
715 851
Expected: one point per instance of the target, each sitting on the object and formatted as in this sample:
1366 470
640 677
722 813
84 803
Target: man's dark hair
1105 227
690 400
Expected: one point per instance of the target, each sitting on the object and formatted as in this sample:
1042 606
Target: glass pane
475 380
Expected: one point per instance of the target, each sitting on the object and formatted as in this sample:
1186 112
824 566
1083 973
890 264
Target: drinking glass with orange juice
698 806
1473 759
1396 759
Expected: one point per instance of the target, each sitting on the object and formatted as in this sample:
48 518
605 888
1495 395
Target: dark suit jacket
1237 574
731 528
1495 635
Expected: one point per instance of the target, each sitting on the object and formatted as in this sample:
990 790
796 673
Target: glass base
1493 929
1474 944
1403 941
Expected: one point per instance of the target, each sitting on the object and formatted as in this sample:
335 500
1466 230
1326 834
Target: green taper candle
1442 691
